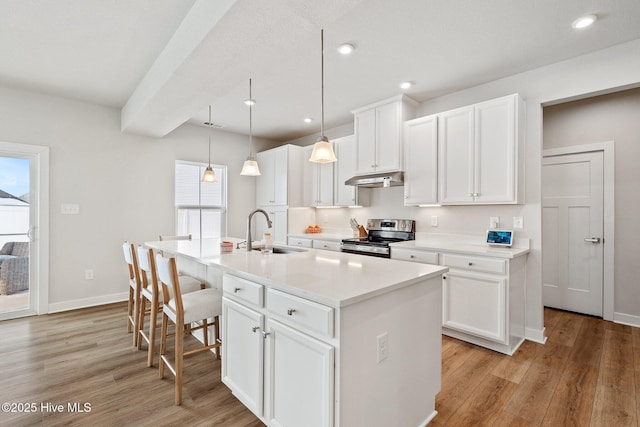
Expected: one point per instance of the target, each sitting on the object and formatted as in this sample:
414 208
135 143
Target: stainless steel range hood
376 180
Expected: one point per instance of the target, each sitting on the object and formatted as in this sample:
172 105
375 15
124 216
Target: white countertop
333 278
462 244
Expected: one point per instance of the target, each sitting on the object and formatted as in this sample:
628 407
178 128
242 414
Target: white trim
88 302
627 319
535 335
608 149
39 218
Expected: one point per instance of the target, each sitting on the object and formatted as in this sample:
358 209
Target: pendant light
322 149
209 174
250 167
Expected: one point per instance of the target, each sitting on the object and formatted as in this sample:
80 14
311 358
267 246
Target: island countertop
336 279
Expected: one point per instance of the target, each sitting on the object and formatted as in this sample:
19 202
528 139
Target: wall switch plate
88 274
518 222
70 209
494 222
434 221
383 346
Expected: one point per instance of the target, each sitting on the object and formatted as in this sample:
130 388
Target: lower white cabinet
483 297
282 374
327 245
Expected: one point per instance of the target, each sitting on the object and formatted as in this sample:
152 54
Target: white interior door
572 230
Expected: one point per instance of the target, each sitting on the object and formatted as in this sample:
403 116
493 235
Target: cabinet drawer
301 312
243 290
297 241
486 265
326 245
424 257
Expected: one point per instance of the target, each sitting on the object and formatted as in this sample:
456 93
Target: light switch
69 209
518 222
434 221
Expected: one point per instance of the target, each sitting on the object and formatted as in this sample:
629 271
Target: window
201 207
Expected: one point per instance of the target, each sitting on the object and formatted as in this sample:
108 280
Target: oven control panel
407 225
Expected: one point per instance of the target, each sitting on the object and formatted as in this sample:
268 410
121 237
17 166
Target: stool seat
199 304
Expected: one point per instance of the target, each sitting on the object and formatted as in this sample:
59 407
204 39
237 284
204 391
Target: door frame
38 219
608 278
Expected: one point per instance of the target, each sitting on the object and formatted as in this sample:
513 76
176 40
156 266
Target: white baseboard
536 335
87 302
627 319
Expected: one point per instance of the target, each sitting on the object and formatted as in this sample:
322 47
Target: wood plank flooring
588 374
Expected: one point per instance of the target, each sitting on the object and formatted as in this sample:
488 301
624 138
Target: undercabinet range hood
376 180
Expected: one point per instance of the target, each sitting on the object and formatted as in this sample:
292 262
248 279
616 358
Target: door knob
592 239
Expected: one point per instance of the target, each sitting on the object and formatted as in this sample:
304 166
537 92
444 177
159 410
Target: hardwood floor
588 374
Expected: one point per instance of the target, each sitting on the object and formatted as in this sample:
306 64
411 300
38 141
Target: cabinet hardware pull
412 256
291 311
470 264
265 334
476 194
444 277
236 290
592 240
255 328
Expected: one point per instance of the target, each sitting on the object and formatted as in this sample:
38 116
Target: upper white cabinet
317 181
280 179
421 161
481 149
345 168
378 131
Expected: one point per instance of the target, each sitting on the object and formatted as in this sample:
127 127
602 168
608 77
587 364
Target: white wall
600 72
123 184
611 117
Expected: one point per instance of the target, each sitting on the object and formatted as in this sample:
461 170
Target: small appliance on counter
382 232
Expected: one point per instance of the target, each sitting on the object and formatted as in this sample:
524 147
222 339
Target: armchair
14 267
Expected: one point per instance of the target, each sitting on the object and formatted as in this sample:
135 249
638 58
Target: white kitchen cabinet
300 241
483 297
327 245
317 181
296 386
345 168
421 161
279 220
299 378
481 153
378 132
280 182
242 361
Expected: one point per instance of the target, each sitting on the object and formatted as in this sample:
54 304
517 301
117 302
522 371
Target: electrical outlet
325 218
518 222
434 221
88 274
383 346
69 209
494 222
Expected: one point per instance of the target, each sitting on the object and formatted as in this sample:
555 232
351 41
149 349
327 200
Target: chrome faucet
269 224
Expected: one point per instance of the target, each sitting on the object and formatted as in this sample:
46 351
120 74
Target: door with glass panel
21 176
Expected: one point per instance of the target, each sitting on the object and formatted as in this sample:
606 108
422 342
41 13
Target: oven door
371 250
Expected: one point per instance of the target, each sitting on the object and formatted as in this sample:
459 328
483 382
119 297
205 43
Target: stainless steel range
382 232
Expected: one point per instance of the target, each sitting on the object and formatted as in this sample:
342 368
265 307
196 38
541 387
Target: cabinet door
345 195
388 142
242 354
300 378
325 184
495 136
281 167
421 161
309 179
475 304
264 182
456 156
365 129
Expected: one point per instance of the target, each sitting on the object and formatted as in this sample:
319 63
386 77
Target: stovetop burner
382 232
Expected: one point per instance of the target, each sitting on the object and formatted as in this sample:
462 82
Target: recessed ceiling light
405 85
584 21
250 101
346 48
308 119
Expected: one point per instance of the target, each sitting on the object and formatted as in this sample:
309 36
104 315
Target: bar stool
150 292
182 310
134 289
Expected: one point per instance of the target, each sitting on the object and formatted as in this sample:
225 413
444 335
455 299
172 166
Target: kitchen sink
280 250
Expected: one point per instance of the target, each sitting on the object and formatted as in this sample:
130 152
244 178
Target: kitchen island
325 338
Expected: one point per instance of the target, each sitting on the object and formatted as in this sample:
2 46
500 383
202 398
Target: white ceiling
164 61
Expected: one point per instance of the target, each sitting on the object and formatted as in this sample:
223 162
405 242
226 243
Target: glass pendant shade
250 167
209 175
322 152
322 149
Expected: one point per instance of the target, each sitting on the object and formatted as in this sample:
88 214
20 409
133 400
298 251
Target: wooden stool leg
130 308
178 363
143 307
216 332
153 320
163 344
